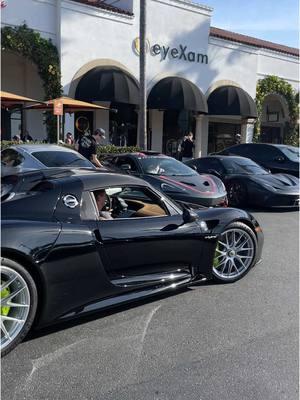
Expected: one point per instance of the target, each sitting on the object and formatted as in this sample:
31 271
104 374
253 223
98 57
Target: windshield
165 166
243 166
292 153
62 159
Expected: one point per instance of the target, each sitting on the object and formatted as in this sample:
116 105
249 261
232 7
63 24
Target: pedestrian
187 147
16 139
87 146
69 139
25 137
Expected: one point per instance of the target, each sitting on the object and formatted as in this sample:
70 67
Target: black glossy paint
263 190
204 190
78 261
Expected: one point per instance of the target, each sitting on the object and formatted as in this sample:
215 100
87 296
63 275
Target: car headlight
203 226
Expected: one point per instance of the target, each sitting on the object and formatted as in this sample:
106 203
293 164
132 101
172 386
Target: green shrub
101 150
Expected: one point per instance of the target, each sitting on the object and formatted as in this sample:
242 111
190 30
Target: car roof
90 179
31 148
224 157
141 154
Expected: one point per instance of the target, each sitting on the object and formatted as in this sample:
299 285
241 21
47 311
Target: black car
247 183
278 158
60 260
171 177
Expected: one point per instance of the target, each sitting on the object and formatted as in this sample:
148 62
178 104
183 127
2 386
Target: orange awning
69 105
10 99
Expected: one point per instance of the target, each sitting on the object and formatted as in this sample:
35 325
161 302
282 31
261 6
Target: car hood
282 182
199 185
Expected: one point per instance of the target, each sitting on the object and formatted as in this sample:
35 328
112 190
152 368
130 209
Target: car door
150 237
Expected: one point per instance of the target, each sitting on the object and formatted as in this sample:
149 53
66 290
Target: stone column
201 136
157 122
247 129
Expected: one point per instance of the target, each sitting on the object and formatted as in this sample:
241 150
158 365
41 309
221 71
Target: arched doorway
228 107
179 100
275 115
111 85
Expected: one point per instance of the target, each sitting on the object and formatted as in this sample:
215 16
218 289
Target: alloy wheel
234 254
15 305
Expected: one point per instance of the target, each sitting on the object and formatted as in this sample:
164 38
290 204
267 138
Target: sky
273 20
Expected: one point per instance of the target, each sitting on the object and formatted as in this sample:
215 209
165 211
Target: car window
241 150
264 152
127 161
165 166
292 153
128 202
61 159
209 164
242 166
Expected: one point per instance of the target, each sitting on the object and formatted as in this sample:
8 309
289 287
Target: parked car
278 158
171 177
60 260
248 183
26 157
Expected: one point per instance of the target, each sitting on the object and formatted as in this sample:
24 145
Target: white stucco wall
40 15
86 35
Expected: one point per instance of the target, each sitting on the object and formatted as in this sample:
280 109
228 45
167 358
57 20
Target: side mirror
125 167
188 216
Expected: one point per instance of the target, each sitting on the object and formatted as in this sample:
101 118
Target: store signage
180 52
58 107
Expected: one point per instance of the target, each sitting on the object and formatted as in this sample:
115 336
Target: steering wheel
119 205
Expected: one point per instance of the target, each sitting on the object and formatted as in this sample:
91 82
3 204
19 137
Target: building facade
199 78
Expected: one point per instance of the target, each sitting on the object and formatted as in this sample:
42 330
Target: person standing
69 139
87 146
187 147
25 137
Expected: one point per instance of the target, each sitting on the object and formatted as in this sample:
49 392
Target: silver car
26 157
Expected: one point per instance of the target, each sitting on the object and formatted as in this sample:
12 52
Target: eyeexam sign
180 52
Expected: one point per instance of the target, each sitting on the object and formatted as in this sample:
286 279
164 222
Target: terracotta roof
104 6
251 41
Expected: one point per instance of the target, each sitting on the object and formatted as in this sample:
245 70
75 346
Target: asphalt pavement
211 342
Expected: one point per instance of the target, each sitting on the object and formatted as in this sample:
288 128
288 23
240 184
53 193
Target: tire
237 194
235 253
16 279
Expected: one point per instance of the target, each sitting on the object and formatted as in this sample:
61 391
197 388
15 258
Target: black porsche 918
171 177
61 259
248 183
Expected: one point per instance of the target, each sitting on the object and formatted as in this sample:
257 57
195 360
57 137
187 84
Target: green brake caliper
4 293
216 262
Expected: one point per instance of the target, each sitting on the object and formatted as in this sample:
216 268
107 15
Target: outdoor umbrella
10 99
65 104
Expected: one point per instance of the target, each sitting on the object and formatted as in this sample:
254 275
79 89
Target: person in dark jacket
187 147
87 146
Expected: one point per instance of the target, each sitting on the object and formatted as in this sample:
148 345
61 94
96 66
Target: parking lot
236 341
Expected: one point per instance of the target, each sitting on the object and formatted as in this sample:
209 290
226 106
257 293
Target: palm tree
143 99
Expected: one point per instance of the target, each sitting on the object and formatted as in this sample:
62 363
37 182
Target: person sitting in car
100 196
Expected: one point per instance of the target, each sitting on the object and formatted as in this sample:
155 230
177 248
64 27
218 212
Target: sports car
249 184
171 177
61 259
